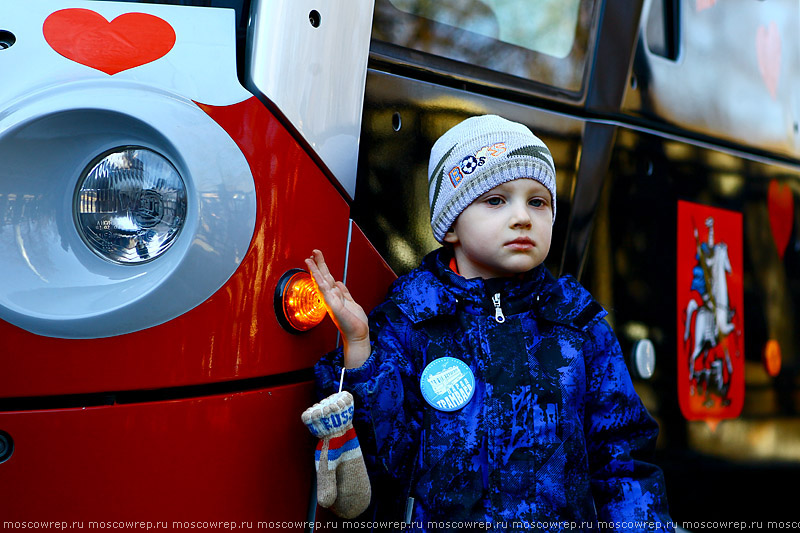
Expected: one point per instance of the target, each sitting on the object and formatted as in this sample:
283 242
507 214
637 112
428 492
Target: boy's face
504 232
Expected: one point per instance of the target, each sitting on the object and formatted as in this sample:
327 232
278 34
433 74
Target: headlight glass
130 205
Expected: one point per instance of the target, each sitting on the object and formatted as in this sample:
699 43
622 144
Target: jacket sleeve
388 415
629 493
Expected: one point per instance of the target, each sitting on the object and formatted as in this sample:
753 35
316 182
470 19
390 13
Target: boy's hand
348 316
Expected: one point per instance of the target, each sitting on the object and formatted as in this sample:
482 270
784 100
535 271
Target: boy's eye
537 202
494 200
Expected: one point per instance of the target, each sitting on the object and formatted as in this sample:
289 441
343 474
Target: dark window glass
632 269
402 121
545 41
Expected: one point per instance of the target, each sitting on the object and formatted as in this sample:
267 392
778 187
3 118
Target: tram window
634 266
546 41
663 28
551 31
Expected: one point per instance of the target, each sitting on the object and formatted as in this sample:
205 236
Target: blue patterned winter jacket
550 440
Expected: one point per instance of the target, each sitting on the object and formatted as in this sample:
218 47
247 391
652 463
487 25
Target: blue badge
447 384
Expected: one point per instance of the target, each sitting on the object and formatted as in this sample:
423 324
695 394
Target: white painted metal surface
309 57
57 117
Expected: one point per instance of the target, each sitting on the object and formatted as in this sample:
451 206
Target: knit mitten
342 482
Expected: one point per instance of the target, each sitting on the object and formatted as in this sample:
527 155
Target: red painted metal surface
368 279
368 275
212 458
232 335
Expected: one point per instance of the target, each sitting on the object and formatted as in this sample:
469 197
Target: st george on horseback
712 320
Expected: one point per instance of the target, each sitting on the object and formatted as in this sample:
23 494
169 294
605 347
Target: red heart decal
768 50
128 41
700 5
780 203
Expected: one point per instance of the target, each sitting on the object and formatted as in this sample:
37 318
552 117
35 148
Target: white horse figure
720 266
712 320
704 331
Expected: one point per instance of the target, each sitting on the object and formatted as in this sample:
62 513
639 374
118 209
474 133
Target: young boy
488 393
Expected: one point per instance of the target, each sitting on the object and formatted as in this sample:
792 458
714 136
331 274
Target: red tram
166 166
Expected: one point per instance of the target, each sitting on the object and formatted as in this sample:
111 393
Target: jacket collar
434 290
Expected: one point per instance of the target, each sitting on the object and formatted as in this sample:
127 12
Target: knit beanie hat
476 156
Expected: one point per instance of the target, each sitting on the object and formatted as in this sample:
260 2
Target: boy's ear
451 236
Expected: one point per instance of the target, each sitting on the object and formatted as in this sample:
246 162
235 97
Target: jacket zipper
498 311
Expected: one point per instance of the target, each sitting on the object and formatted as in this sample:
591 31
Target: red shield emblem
710 312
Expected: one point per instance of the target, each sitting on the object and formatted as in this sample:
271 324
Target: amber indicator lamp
298 303
772 357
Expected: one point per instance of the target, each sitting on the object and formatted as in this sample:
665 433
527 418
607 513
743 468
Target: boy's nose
520 217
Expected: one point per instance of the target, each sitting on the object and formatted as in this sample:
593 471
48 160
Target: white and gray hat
476 156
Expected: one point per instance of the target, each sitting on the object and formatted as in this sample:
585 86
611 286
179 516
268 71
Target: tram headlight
130 205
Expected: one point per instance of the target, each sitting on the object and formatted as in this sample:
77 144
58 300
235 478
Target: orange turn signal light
298 303
772 357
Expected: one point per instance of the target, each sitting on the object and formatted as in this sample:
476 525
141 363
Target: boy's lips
520 243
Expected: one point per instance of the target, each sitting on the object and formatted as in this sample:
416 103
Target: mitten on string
342 482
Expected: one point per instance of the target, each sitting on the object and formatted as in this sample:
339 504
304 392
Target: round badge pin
447 384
